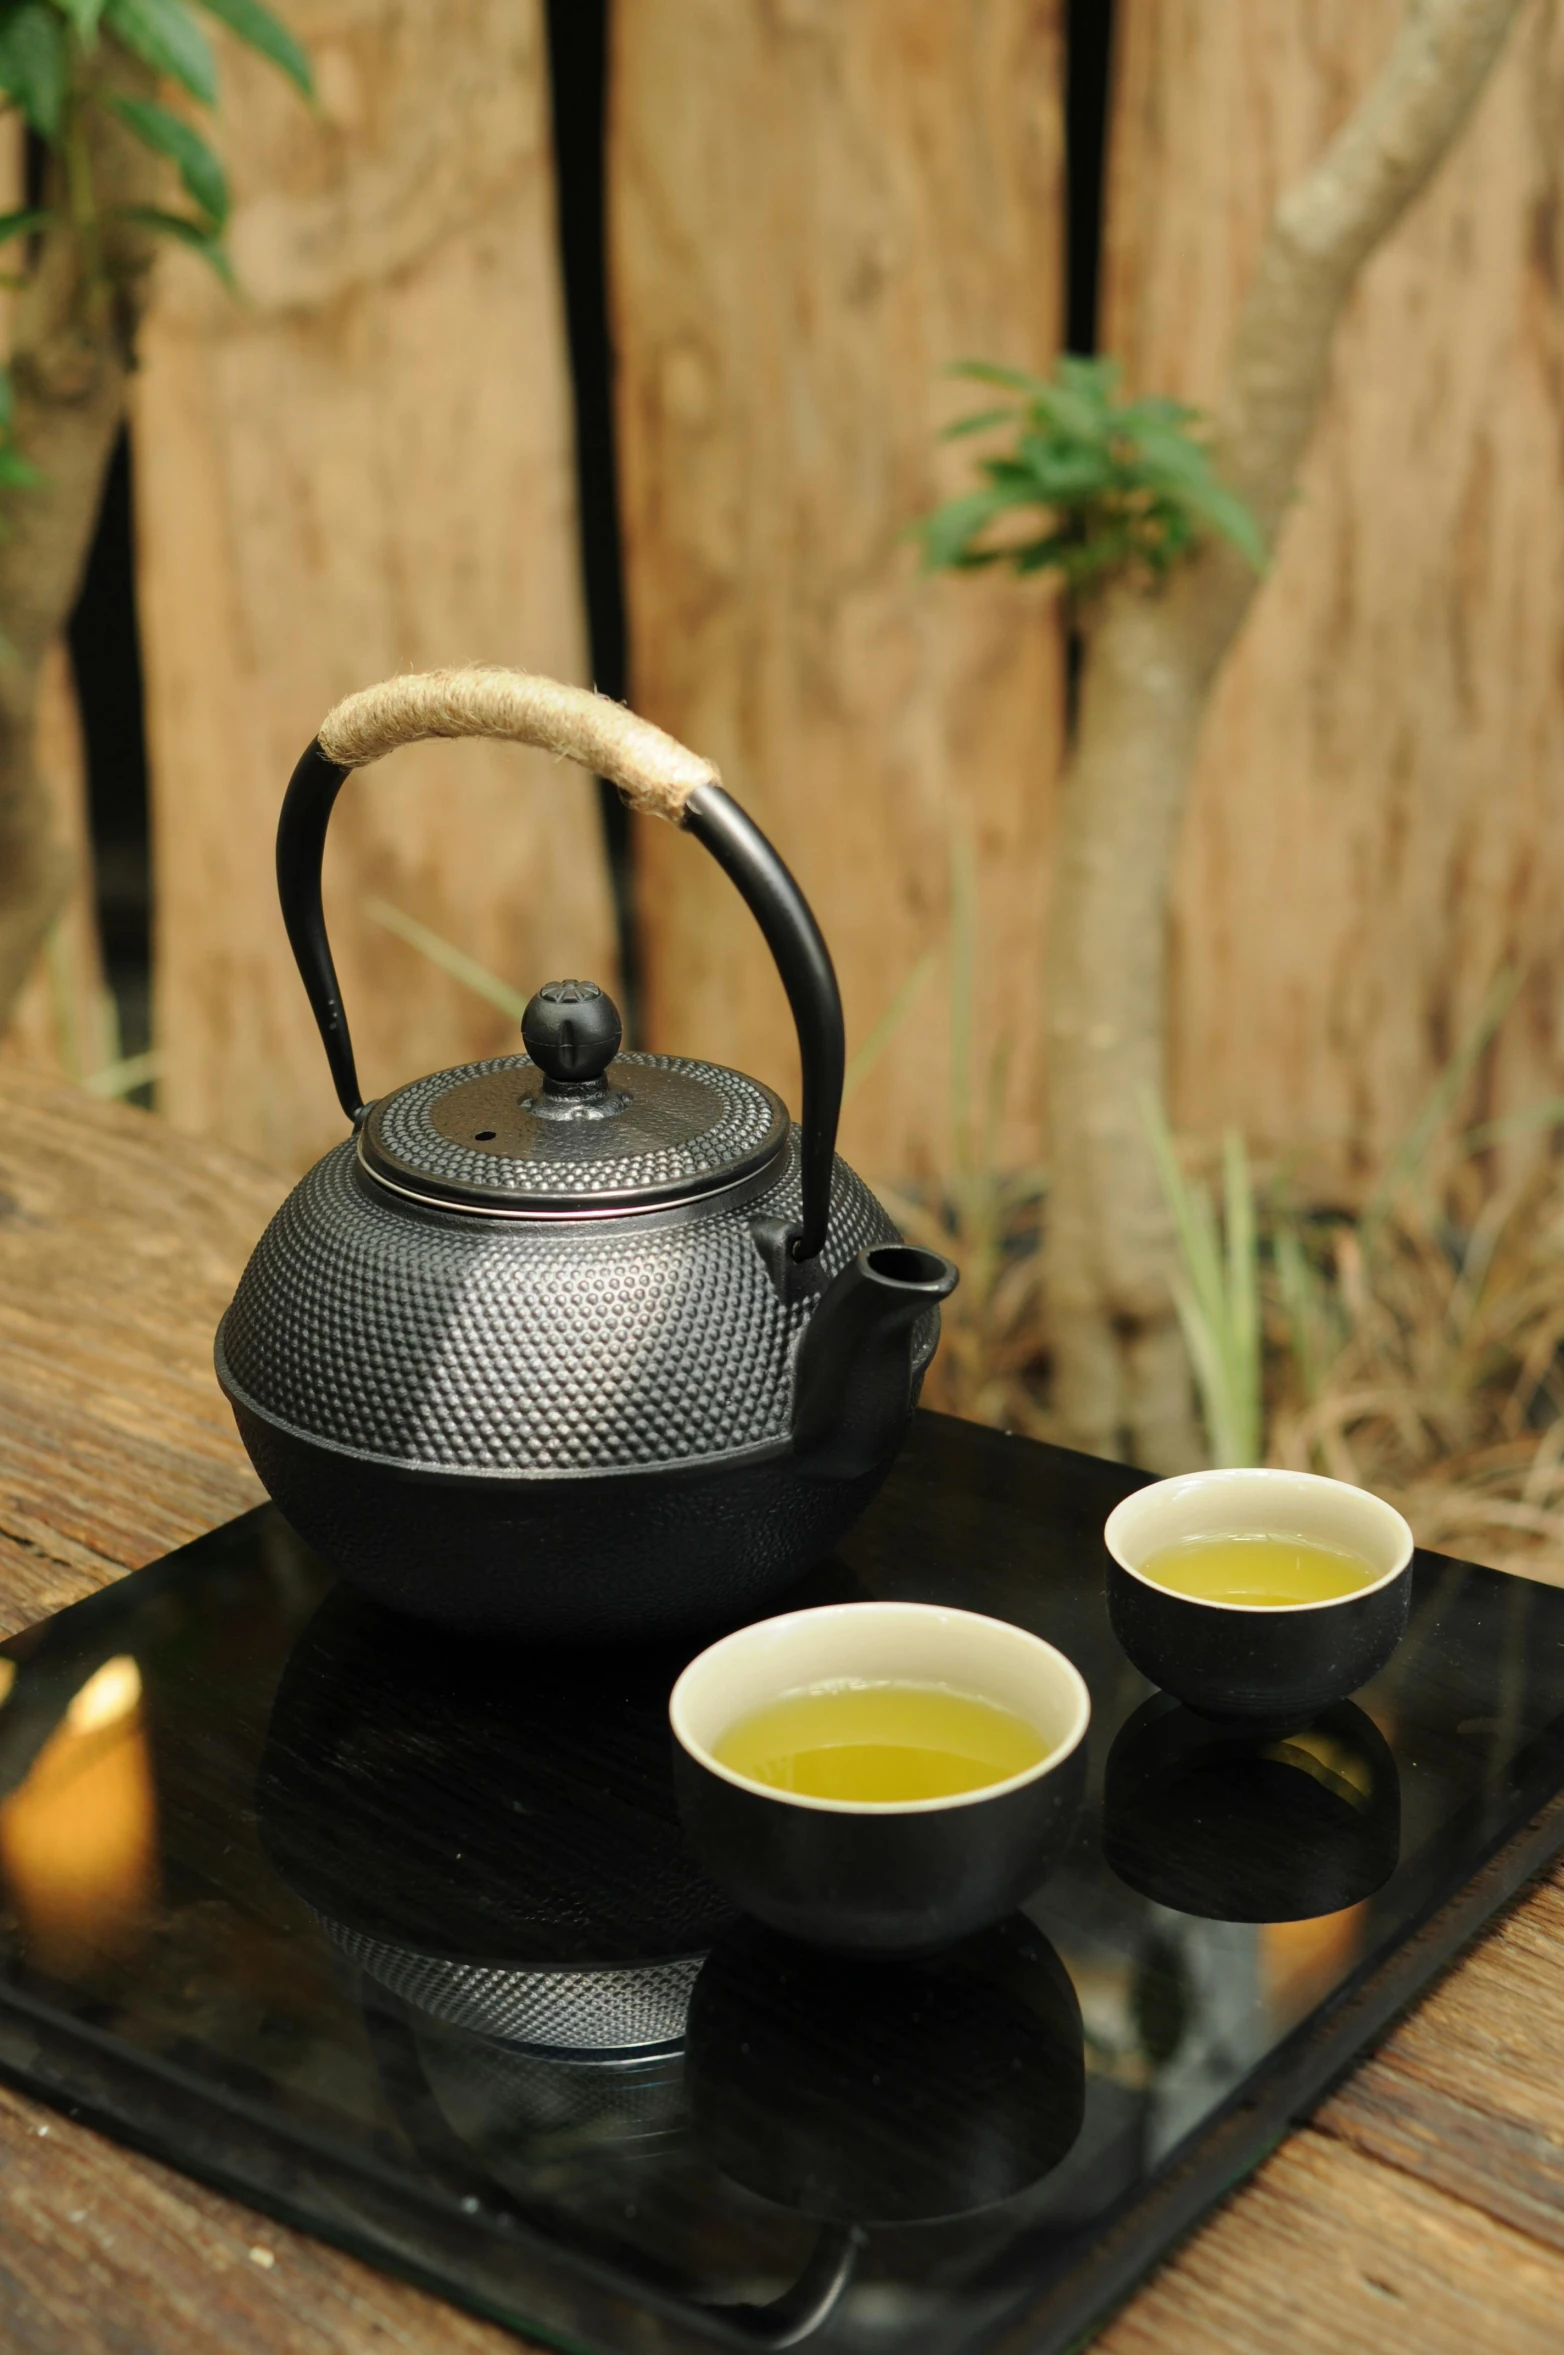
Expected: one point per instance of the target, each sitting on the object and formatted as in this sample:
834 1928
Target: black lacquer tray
396 1937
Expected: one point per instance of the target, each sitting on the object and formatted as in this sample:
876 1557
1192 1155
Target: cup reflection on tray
875 2093
1244 1826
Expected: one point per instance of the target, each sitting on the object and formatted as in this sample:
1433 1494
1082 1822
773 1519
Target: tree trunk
1150 660
64 1018
1375 827
364 466
815 210
71 350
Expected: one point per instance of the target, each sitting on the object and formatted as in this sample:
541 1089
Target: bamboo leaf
16 472
963 989
165 36
33 65
1216 1291
453 961
82 16
1526 1120
22 224
167 134
1243 1299
197 235
1442 1098
122 1079
265 33
864 1058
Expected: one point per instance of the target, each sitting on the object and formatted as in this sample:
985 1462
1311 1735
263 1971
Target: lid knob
572 1030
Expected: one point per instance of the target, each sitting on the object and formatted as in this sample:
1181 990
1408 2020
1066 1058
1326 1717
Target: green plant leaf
946 533
1154 409
199 236
22 224
1094 373
33 64
992 372
1071 410
1121 484
259 30
165 36
16 472
1039 555
978 424
82 16
1226 512
168 134
1166 448
1068 473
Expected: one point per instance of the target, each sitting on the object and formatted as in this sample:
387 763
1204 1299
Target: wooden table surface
1421 2208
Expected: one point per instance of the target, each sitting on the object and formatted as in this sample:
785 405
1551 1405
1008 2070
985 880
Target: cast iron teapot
576 1343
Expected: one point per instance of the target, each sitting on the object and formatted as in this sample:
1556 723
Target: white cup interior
1254 1502
876 1643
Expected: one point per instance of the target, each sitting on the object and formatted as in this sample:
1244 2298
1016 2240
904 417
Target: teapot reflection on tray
1242 1826
490 1837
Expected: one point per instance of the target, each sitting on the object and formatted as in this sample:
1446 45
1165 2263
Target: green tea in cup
879 1744
1263 1570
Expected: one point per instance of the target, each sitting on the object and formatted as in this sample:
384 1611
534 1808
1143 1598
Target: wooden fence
368 466
365 467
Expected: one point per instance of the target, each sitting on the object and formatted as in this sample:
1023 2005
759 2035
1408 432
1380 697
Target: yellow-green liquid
878 1743
1265 1570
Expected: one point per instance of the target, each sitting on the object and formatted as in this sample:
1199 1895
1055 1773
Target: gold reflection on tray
1300 1962
78 1838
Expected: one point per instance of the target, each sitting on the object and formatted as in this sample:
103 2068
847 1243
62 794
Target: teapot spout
853 1378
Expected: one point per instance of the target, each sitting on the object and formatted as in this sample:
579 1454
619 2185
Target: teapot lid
573 1128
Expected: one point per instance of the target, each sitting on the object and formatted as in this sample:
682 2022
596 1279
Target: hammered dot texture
636 2006
459 1343
574 1158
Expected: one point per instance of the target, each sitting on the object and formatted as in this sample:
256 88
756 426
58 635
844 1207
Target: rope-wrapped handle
654 771
656 774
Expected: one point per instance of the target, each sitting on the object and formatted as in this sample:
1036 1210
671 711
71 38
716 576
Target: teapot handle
655 773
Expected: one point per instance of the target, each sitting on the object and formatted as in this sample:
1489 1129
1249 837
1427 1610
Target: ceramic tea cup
879 1877
1273 1664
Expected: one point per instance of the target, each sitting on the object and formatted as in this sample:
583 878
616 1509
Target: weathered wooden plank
103 2253
886 178
1328 2253
364 467
118 1252
1376 827
1468 2094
